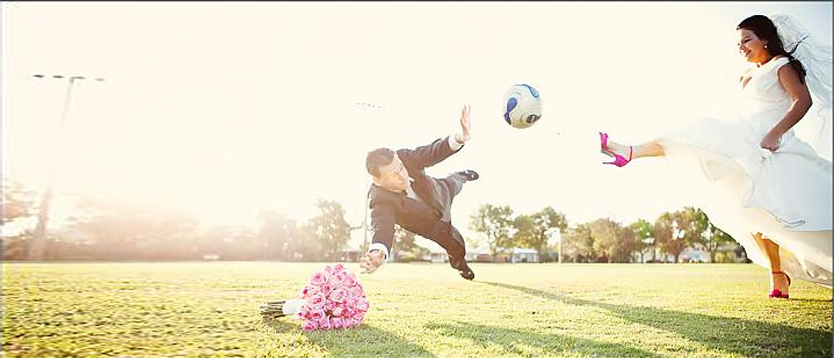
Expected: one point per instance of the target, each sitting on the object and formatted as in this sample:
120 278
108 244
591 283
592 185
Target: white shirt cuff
453 143
380 247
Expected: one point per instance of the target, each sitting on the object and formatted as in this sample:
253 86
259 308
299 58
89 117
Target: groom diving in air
402 193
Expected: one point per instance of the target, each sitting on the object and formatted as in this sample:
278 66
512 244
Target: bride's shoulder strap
779 62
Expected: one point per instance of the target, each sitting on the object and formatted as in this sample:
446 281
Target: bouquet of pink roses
332 299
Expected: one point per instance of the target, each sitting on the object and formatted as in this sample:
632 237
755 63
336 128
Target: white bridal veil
815 128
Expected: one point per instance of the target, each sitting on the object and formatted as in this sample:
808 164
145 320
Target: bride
752 175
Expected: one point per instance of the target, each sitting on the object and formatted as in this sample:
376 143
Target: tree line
601 240
105 230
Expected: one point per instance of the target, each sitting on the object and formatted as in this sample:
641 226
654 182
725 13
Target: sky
222 109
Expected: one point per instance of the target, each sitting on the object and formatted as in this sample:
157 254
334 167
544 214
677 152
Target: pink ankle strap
604 139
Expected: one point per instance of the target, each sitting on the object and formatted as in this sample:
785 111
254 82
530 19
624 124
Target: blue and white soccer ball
523 106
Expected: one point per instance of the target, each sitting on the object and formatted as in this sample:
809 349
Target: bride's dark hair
764 28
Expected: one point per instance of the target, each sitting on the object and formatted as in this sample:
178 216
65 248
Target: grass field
417 310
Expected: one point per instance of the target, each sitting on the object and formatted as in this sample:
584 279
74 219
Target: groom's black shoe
470 175
462 267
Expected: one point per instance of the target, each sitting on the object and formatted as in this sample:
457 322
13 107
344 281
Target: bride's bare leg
771 251
652 148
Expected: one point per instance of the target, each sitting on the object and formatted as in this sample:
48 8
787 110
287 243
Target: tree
279 234
18 201
712 237
545 219
121 231
524 232
578 244
694 225
330 228
15 247
232 242
406 246
495 222
606 238
308 248
676 231
627 244
644 237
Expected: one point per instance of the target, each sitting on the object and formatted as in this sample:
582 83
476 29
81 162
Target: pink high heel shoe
619 160
777 293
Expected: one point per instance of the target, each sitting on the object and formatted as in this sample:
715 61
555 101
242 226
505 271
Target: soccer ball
523 106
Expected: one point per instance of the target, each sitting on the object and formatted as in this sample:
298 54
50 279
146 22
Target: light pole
38 243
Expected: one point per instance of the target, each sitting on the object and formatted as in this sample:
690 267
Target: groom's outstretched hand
465 127
371 261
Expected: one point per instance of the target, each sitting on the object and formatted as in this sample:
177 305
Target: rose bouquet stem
281 308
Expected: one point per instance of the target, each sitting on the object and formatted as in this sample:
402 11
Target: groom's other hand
372 261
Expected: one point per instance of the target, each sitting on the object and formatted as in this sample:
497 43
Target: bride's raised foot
619 160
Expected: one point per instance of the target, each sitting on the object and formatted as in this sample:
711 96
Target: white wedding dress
744 189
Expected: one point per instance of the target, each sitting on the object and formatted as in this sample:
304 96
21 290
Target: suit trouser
450 238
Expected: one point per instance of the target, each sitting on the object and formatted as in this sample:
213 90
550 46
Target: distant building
692 254
349 254
524 255
517 255
730 252
351 251
478 254
437 254
473 254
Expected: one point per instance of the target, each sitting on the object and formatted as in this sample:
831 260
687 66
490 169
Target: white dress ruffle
744 189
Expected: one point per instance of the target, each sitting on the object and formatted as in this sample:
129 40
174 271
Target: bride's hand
771 141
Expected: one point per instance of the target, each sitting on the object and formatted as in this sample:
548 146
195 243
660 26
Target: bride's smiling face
752 47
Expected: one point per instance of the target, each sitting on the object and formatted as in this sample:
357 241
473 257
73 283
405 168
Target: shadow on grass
527 343
362 341
731 335
808 300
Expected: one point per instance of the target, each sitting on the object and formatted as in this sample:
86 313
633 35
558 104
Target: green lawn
417 310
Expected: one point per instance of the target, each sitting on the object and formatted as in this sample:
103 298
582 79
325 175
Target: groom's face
392 176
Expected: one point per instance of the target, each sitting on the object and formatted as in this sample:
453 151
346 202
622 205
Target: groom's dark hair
377 158
764 28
